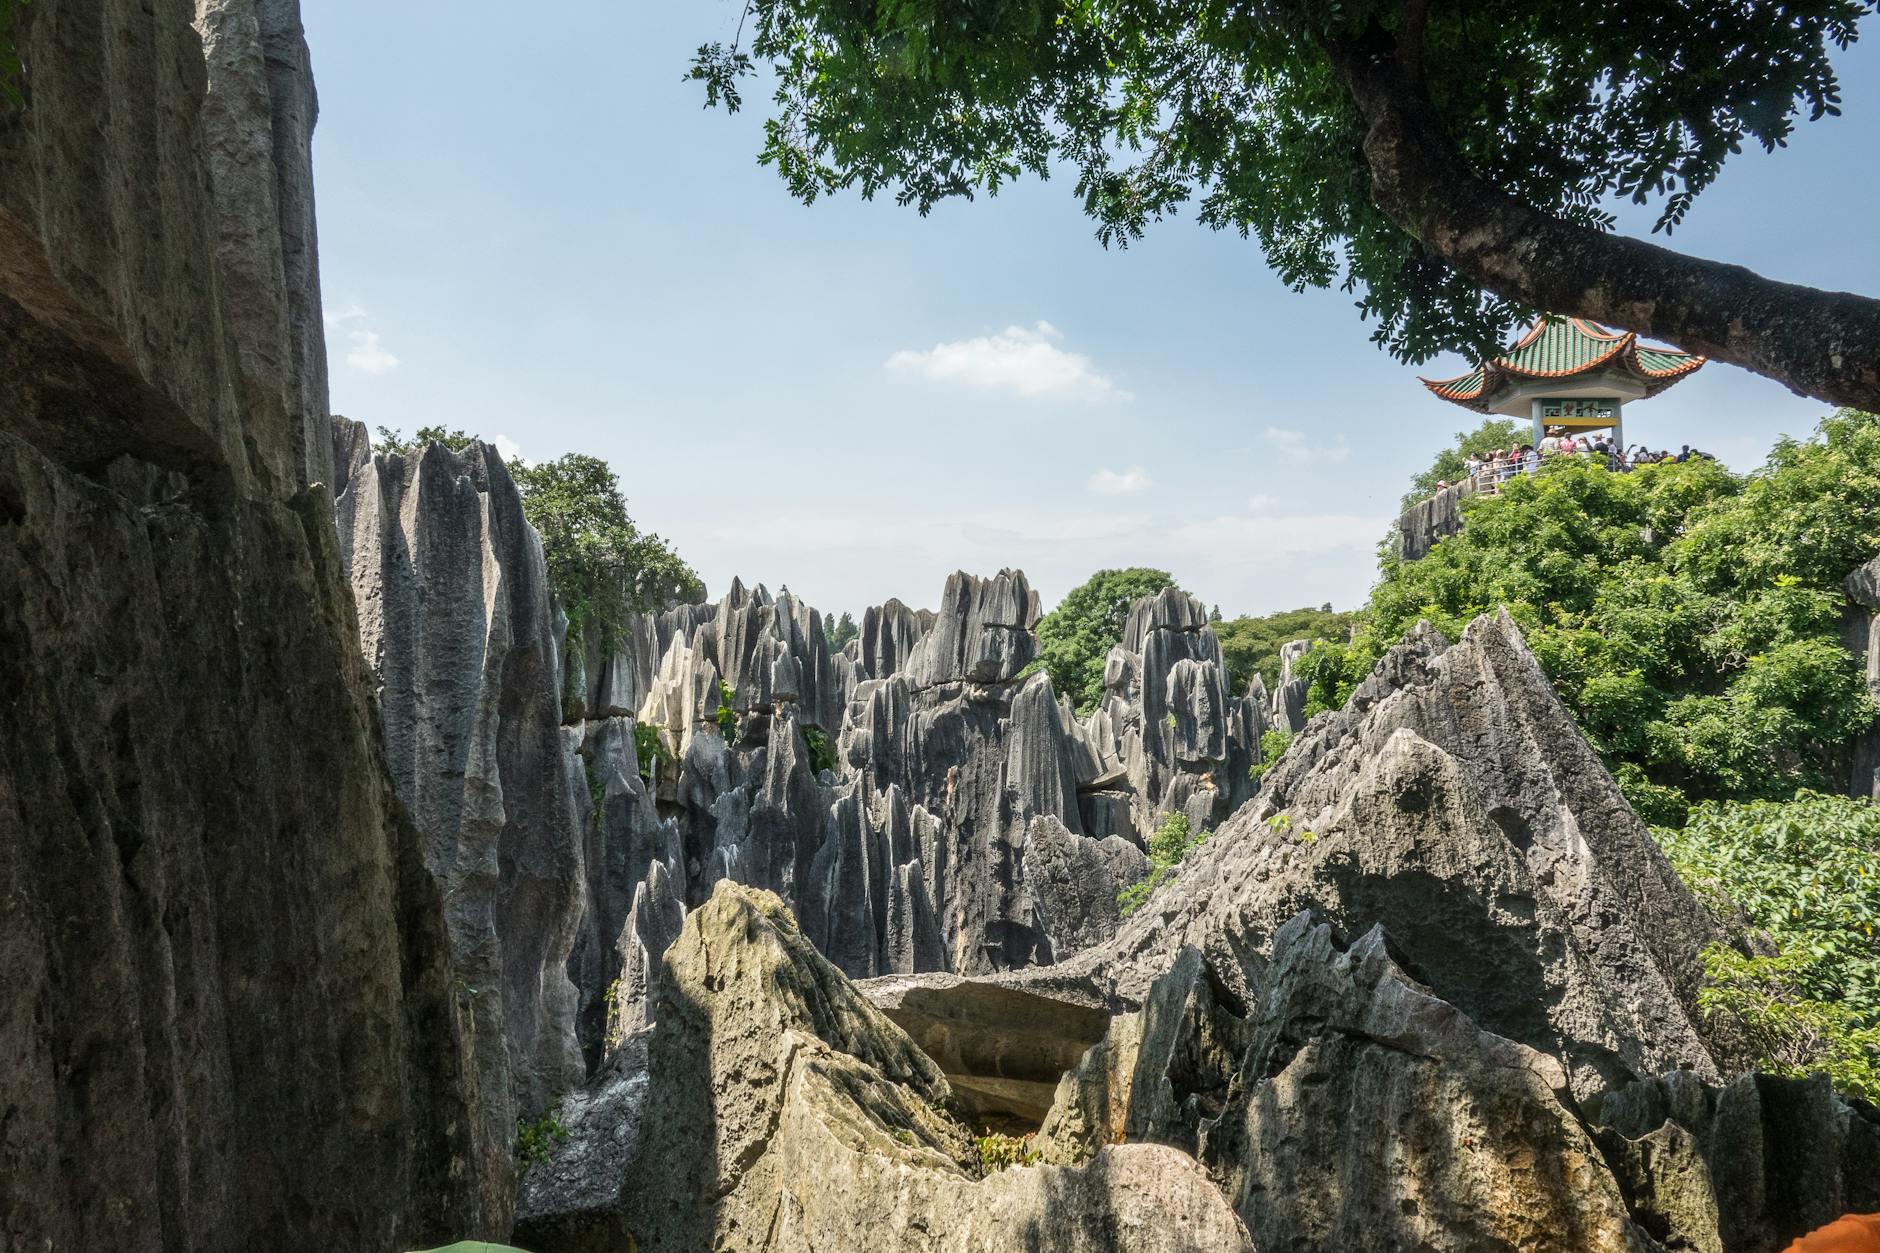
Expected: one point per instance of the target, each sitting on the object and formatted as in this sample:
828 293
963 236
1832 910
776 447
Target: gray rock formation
1862 631
228 1017
457 622
1433 988
1428 521
777 1110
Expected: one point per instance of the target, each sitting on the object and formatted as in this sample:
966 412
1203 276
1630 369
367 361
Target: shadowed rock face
228 1018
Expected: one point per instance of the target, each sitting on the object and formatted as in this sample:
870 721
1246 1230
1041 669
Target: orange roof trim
1559 348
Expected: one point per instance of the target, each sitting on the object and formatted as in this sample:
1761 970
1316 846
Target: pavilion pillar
1618 425
1540 431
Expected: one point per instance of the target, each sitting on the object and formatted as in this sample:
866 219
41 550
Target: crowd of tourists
1487 470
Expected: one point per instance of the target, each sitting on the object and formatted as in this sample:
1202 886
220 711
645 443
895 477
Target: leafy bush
650 747
727 718
821 755
1251 646
1689 617
1273 746
1075 639
1169 846
536 1139
997 1151
1805 873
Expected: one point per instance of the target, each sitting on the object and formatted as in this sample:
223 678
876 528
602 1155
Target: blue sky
533 231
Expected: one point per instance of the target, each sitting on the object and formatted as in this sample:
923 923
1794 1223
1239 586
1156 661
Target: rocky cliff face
1432 988
228 1019
457 623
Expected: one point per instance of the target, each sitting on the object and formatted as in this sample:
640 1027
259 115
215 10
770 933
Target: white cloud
1107 482
1260 504
1296 446
367 352
511 451
1022 361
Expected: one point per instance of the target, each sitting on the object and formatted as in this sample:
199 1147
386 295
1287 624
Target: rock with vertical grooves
228 1017
457 623
1862 633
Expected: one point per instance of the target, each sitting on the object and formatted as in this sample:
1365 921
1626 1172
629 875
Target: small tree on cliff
1075 638
1449 162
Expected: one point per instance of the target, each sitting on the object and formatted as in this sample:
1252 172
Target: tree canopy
1689 617
1452 165
1251 646
1450 467
1075 638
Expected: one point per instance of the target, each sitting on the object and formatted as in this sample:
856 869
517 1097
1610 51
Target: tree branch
1816 343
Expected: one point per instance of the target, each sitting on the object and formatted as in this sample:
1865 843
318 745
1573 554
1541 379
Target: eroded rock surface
458 624
228 1018
781 1111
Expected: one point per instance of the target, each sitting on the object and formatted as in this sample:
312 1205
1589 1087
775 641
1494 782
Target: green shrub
1169 846
1074 639
727 718
1804 872
649 746
997 1151
537 1138
822 756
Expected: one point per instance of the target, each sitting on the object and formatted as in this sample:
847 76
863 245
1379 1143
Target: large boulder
780 1111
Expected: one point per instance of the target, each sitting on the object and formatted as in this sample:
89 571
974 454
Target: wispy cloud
1020 360
1260 504
511 451
367 351
1107 482
1298 446
1279 535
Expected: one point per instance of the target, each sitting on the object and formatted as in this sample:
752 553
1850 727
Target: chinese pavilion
1568 373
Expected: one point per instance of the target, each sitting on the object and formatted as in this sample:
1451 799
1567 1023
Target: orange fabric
1854 1233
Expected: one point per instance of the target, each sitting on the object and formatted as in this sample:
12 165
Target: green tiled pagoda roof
1564 348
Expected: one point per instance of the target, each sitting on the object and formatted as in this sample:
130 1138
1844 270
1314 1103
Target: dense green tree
1075 638
840 631
1451 465
602 565
1689 617
1251 646
1806 873
1451 163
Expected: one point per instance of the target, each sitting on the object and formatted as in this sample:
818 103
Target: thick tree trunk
1817 343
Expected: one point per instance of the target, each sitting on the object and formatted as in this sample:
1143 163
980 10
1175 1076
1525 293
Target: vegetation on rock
1807 874
11 70
536 1138
1168 848
998 1150
1075 638
822 755
1687 616
840 631
1450 165
649 748
1251 646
